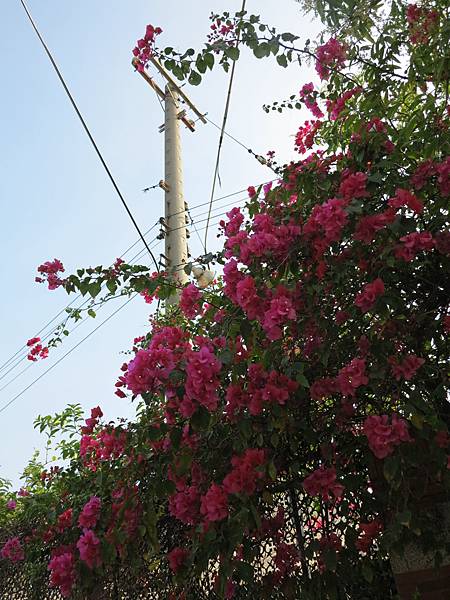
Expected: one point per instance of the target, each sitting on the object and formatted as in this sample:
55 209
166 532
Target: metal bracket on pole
152 83
176 87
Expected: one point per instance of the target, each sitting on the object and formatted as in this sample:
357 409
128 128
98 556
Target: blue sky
56 199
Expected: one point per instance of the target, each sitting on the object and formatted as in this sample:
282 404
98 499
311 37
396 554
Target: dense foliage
315 365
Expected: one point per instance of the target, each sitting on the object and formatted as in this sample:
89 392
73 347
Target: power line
220 198
83 320
259 157
94 144
135 257
224 121
7 363
17 396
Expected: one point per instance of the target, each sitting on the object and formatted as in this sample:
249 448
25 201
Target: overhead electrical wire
90 136
259 158
17 396
8 362
224 122
81 322
24 390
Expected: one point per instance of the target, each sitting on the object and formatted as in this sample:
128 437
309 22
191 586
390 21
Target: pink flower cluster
50 270
406 198
185 505
322 482
366 299
367 227
267 239
353 185
384 436
107 444
323 388
150 369
368 532
89 548
421 22
287 558
335 107
12 550
65 519
423 172
325 224
202 381
62 570
329 56
214 504
191 301
90 514
305 136
145 47
443 173
352 376
281 309
407 367
413 243
264 388
247 471
92 421
308 96
37 350
177 558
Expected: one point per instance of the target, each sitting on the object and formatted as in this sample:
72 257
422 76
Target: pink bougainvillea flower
90 514
330 56
62 570
383 436
366 299
190 301
323 482
89 548
177 558
214 504
12 550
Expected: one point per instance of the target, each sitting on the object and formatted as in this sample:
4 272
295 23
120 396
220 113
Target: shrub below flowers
314 368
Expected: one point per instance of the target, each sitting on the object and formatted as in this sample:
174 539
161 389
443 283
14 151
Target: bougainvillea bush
312 374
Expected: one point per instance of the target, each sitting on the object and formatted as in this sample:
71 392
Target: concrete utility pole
176 249
175 213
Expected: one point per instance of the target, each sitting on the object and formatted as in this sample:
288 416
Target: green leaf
195 78
262 50
282 60
245 571
200 64
390 468
209 60
111 284
232 53
200 419
367 572
272 469
94 288
92 313
288 37
301 379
